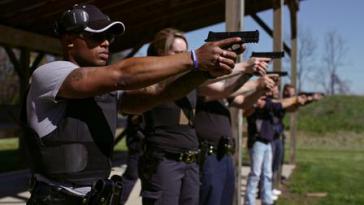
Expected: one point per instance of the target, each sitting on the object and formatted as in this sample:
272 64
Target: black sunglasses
98 37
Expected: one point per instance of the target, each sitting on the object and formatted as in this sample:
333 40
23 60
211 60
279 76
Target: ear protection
75 21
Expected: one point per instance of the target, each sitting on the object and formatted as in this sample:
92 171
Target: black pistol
279 54
311 93
246 37
279 73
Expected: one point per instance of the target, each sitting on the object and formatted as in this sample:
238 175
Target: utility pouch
106 192
148 163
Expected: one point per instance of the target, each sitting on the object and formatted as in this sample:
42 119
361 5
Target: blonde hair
163 41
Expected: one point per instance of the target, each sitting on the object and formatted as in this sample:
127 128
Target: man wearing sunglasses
71 107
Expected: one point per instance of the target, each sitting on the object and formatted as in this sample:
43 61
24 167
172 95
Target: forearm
234 84
290 102
221 90
135 73
247 89
139 101
248 101
238 70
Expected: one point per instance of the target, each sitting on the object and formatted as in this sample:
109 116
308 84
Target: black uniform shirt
261 122
212 121
169 126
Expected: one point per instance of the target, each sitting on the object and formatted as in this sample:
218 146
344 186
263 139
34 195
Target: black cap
87 17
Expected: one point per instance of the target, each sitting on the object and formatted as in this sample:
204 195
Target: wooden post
277 46
293 8
234 17
269 31
277 32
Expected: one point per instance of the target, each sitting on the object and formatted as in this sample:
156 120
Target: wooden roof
142 17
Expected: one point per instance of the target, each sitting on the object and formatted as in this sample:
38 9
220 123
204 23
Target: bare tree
306 56
332 59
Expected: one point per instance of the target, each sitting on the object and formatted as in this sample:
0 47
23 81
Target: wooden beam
23 39
234 17
293 8
277 32
269 31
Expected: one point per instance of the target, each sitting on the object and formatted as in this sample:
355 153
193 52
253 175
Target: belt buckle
229 149
189 157
211 150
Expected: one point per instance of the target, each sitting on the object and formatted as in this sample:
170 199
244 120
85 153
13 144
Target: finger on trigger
228 42
224 68
229 54
227 61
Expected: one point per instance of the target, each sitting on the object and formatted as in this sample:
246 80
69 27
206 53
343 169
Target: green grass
121 146
9 155
9 144
335 168
330 154
332 114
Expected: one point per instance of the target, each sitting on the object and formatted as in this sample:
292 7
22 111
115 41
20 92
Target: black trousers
171 183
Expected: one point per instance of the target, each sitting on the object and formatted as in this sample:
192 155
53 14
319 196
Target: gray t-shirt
44 111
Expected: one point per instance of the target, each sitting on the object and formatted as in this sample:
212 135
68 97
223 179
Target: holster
106 192
226 146
148 163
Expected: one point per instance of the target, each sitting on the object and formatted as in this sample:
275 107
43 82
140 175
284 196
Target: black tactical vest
79 151
170 126
212 121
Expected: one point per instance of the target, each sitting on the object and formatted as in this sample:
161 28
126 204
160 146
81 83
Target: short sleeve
43 111
47 79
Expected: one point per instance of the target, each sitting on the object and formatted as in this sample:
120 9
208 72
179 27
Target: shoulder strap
186 108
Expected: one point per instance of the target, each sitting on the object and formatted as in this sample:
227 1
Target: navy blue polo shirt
262 122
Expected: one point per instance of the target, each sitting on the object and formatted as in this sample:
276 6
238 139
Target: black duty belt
187 157
210 149
263 140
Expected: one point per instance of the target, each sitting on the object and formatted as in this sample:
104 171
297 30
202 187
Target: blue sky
318 16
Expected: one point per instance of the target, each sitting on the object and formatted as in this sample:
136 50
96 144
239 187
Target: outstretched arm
135 73
292 103
254 90
139 101
225 88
